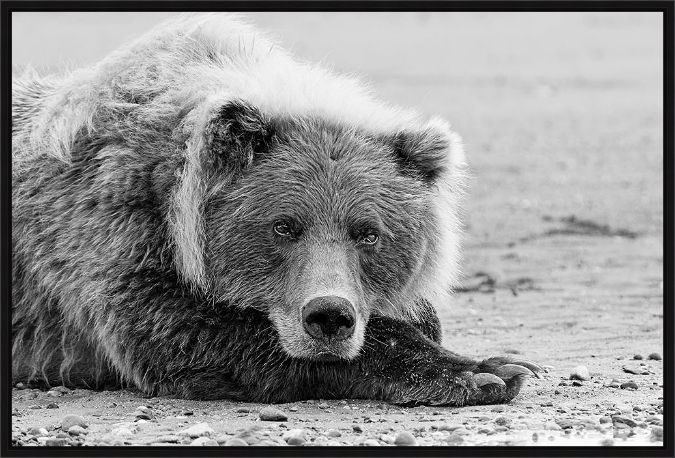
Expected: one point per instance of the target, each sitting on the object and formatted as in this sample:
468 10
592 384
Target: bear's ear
239 133
428 152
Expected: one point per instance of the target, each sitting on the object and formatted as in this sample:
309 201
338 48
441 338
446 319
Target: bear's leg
177 344
427 321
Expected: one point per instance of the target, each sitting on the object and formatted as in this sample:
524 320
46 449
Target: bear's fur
145 190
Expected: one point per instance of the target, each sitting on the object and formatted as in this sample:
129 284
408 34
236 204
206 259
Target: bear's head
322 224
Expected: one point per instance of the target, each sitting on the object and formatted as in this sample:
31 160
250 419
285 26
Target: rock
72 420
636 370
497 409
631 385
404 438
607 442
657 434
564 423
204 441
295 437
333 433
652 420
655 356
323 405
502 421
76 430
198 430
577 383
20 386
604 420
626 421
56 442
293 408
357 429
54 393
638 356
52 405
38 432
371 443
580 373
270 413
236 442
171 438
243 410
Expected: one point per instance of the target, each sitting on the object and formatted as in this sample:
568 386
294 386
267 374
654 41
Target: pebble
243 410
607 442
357 429
293 408
270 413
323 405
372 443
236 442
56 442
626 421
657 434
655 356
52 405
502 421
604 420
72 420
629 385
54 393
638 356
333 433
636 370
76 430
404 438
198 430
204 441
564 423
497 409
38 432
20 386
295 437
580 373
169 438
577 383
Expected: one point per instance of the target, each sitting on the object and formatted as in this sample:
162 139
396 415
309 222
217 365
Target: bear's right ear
239 133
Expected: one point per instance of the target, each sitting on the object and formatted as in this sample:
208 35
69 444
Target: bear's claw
508 371
484 378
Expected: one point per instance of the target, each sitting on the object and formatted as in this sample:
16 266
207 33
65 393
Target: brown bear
201 215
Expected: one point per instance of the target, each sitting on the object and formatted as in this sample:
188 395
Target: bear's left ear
428 152
238 134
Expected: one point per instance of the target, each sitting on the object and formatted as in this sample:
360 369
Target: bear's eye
283 229
370 238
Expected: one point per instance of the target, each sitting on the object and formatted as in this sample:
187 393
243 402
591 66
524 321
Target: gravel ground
563 257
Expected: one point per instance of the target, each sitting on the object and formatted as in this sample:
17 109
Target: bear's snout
329 318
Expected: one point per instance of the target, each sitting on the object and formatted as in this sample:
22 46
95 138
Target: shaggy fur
145 190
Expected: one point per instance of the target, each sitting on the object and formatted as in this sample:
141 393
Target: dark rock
272 414
629 385
655 356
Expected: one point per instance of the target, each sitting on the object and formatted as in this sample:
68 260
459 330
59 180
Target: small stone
56 442
631 385
323 405
198 430
502 421
333 433
295 437
580 373
607 442
20 386
404 438
638 356
604 420
577 383
357 429
236 442
171 438
293 408
62 435
54 393
270 413
655 356
624 420
636 370
243 410
76 430
371 443
564 423
204 441
497 409
52 405
657 434
38 432
72 420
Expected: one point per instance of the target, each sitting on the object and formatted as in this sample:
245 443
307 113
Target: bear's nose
329 317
